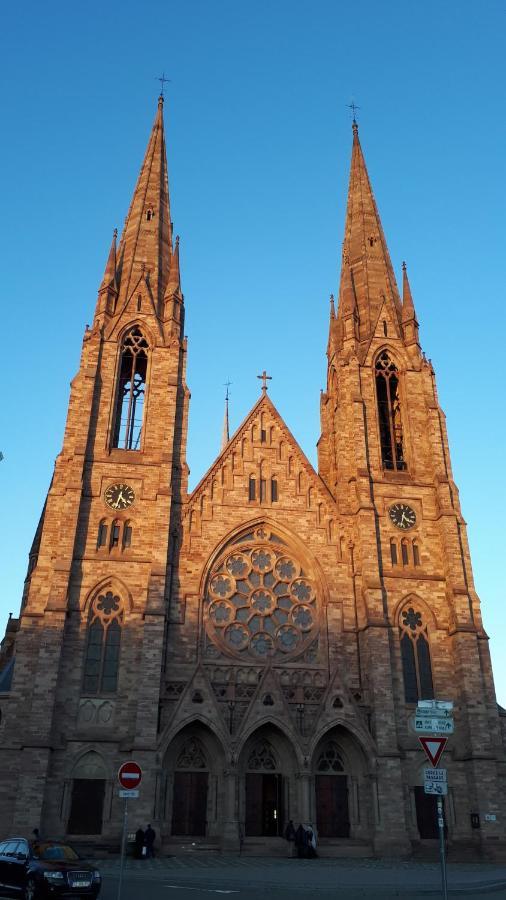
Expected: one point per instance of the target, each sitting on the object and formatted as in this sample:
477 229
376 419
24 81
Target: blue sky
259 145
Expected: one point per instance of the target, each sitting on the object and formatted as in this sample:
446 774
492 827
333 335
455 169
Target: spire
109 279
174 282
225 434
409 322
146 243
365 251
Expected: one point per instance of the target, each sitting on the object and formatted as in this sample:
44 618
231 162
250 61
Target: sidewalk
380 875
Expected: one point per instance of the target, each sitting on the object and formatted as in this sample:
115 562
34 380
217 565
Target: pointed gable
262 470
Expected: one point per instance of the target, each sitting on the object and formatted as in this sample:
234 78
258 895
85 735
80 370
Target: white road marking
184 887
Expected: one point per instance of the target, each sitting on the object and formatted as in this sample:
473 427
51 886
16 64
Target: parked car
44 869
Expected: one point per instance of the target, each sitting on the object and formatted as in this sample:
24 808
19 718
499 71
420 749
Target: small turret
409 320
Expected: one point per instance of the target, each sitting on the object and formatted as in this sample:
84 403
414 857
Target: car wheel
31 892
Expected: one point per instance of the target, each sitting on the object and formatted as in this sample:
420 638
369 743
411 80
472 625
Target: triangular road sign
433 748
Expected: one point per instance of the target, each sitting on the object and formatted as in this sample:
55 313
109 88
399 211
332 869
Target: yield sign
129 775
433 748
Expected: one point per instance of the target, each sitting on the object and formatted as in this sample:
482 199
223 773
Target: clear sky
259 142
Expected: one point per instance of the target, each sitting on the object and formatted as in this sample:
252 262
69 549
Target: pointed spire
408 307
174 282
365 250
146 240
225 434
332 307
109 279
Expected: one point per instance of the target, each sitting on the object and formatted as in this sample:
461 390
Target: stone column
230 840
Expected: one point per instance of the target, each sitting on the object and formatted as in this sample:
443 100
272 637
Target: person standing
149 840
139 843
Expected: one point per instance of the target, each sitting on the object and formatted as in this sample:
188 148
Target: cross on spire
353 106
227 385
264 378
163 81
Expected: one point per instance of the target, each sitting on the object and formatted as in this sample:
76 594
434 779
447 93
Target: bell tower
89 650
384 455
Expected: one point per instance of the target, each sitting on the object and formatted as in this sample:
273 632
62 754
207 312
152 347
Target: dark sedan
43 869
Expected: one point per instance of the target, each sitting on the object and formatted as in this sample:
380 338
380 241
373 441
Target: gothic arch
395 355
279 725
113 583
73 763
177 726
142 326
354 740
413 598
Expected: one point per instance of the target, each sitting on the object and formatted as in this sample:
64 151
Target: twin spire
146 259
367 275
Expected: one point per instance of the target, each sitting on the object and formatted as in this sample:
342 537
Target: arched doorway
87 800
194 764
267 763
342 797
191 783
331 788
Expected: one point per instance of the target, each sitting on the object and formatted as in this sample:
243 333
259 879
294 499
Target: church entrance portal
87 799
264 804
331 788
189 810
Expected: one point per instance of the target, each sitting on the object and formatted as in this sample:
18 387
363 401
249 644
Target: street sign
128 794
433 724
437 707
433 748
435 774
438 788
130 775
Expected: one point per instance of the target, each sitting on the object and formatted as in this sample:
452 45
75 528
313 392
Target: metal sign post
441 826
123 847
129 777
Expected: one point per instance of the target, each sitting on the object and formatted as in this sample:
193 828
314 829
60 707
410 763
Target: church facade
257 645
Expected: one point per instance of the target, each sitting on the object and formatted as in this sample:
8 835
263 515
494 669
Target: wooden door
264 804
332 811
254 804
189 808
87 806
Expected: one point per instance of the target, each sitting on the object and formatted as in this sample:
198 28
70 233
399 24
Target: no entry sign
130 775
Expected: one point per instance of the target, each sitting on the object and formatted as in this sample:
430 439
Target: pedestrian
300 842
139 843
290 837
149 840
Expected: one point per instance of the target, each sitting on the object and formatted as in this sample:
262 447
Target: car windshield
41 850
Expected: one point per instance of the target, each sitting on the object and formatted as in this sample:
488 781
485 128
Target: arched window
103 644
102 534
127 535
329 759
131 390
415 653
389 412
262 758
115 530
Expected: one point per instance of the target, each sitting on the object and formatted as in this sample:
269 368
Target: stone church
258 645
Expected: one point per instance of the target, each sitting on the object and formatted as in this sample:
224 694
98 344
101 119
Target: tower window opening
389 412
404 553
263 435
416 554
415 655
139 303
131 391
115 529
252 493
274 490
102 534
127 536
385 328
393 552
149 215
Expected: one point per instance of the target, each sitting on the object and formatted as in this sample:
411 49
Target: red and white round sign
130 775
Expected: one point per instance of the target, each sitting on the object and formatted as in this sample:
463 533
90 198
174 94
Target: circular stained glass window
260 601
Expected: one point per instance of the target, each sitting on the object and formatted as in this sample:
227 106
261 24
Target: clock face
402 516
119 496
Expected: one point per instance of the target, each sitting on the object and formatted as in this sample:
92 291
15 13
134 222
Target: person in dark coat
139 843
149 840
290 837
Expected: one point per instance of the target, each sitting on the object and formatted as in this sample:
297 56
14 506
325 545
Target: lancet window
329 759
103 644
262 758
389 413
415 654
131 391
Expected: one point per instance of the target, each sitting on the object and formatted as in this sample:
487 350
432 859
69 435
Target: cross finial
227 385
163 81
264 378
353 106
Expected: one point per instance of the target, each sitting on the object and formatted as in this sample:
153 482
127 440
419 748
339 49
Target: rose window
260 600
